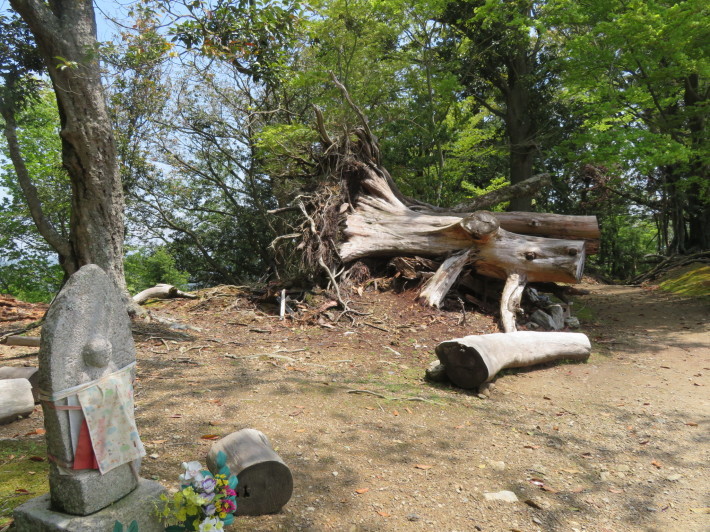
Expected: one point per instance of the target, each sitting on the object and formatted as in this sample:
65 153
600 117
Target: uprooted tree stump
377 220
474 360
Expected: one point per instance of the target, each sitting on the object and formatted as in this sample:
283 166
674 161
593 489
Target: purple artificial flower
209 484
210 509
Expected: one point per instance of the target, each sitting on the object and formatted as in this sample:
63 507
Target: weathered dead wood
29 341
265 481
16 400
473 360
23 372
436 288
161 291
382 225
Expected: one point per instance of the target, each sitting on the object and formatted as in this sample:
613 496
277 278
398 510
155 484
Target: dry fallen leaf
36 431
612 490
383 514
531 446
210 436
23 491
395 412
36 458
423 466
362 490
700 510
691 423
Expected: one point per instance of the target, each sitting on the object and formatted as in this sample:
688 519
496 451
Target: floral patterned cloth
108 410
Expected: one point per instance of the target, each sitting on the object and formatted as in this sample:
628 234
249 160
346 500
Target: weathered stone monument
86 371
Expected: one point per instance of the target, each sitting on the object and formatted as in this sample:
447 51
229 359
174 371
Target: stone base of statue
140 505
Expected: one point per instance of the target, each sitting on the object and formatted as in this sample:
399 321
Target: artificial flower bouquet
204 502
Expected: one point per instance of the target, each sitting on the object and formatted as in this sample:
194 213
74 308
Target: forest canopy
213 106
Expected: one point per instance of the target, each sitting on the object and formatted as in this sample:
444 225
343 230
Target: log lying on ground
473 360
161 291
16 400
265 481
27 341
22 372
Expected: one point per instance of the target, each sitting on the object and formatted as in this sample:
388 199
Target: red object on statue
84 457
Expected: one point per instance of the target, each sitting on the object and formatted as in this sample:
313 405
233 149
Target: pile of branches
669 264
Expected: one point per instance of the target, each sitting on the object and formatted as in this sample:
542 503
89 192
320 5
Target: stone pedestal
88 491
140 505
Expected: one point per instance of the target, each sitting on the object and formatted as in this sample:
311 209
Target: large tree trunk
65 32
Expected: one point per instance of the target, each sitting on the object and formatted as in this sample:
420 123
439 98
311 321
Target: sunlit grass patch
23 474
695 282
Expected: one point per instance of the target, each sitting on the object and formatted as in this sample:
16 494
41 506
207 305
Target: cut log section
22 372
16 400
161 291
473 360
265 481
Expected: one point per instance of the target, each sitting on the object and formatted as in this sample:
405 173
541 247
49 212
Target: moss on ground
23 474
693 282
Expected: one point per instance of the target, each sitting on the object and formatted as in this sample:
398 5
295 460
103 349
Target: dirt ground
619 443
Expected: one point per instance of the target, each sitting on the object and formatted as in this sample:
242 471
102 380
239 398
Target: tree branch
29 191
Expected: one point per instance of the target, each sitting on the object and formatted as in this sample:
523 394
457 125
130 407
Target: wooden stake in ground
473 360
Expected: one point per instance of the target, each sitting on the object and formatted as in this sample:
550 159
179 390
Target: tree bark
65 32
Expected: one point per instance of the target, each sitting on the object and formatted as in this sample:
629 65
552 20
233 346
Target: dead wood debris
670 263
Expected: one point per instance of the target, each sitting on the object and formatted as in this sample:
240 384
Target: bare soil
619 443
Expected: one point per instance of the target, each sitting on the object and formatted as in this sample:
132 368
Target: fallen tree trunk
381 225
473 360
161 291
28 341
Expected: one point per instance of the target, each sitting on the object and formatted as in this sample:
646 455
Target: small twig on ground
375 326
395 352
368 392
279 357
392 398
26 355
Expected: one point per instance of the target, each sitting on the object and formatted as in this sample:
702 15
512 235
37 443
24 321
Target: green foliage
28 268
638 73
251 35
625 240
146 267
496 184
